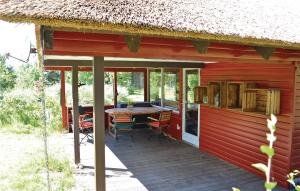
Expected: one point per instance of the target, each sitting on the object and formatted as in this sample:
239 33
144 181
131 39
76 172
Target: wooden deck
163 166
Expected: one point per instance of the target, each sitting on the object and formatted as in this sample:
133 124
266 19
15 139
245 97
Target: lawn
23 166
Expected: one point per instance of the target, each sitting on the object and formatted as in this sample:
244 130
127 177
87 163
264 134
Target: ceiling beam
122 64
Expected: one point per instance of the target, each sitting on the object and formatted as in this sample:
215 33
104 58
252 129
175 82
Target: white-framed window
164 87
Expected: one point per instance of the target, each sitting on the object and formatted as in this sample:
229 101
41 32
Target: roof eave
88 26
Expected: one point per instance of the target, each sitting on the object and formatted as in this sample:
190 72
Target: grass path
22 165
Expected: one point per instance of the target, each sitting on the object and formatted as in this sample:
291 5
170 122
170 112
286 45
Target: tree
7 76
27 74
52 77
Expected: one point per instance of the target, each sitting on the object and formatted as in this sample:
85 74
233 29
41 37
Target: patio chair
86 124
122 122
160 124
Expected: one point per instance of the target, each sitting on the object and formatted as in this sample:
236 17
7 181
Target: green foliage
22 111
53 109
86 77
267 150
261 167
155 85
52 77
270 185
20 106
27 76
7 76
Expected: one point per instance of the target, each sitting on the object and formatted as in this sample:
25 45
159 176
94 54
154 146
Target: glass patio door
191 111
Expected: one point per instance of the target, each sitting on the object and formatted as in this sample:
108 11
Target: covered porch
227 131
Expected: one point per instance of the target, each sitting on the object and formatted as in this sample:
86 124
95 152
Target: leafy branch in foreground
270 152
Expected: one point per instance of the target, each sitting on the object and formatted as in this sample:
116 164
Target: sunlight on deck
118 177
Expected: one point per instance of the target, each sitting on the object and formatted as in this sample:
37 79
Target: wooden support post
64 109
115 89
162 82
75 113
146 85
99 129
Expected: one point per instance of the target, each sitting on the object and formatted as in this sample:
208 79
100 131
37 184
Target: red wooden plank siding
236 136
173 130
295 158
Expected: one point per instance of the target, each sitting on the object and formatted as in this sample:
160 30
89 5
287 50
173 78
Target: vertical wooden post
75 113
146 85
162 90
115 89
99 129
64 110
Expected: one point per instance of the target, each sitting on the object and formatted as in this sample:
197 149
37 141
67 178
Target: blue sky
15 39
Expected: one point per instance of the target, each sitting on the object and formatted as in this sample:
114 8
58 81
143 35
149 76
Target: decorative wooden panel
217 94
266 101
235 93
249 101
200 95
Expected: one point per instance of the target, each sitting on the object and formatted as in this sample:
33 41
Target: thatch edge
149 31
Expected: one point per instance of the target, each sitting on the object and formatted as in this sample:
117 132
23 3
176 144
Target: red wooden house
232 42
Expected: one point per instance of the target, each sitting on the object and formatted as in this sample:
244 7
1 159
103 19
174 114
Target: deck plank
169 166
165 165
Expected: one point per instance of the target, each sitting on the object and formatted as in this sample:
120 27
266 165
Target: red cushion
154 124
86 124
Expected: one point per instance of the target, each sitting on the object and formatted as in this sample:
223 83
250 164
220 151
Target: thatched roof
262 22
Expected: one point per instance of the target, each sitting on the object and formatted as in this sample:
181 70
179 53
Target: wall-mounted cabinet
243 96
235 93
266 101
200 95
217 94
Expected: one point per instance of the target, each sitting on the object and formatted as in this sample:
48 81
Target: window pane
109 88
85 89
155 86
171 88
192 79
130 86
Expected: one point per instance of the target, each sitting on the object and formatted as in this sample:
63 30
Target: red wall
175 132
295 158
236 136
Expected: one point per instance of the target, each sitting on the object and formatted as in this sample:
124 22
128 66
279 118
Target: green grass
31 176
17 128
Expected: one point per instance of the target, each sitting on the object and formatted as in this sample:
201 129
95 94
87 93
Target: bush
7 76
20 106
21 111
